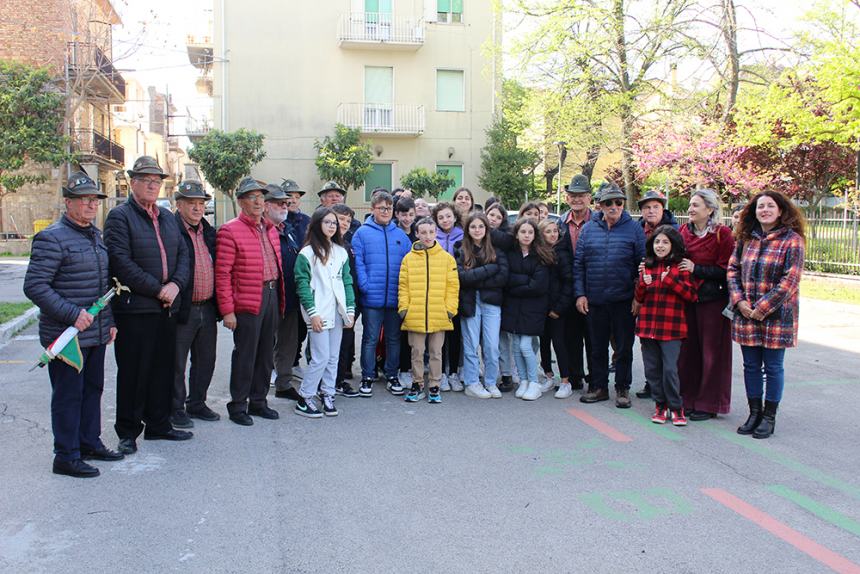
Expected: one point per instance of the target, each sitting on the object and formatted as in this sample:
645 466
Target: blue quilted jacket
378 253
606 263
68 272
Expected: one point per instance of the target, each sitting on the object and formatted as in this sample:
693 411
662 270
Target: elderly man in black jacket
197 322
68 272
148 255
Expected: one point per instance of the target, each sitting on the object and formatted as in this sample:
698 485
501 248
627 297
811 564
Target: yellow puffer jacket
429 289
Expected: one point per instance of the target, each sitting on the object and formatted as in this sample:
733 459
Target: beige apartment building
416 76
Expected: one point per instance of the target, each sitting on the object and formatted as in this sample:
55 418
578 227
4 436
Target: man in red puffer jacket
250 296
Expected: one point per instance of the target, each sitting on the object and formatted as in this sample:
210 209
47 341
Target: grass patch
9 311
837 290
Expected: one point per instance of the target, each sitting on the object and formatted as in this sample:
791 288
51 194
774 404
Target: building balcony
376 30
383 119
92 144
195 129
92 72
200 52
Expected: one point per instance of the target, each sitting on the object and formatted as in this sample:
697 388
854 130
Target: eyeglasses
150 181
383 209
89 200
611 202
282 203
329 222
253 196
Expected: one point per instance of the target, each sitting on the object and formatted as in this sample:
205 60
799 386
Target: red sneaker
661 414
678 418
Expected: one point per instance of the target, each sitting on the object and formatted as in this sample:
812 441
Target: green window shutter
378 85
443 5
455 171
385 6
450 91
379 176
371 6
457 6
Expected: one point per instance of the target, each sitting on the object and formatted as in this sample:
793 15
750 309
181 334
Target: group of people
451 298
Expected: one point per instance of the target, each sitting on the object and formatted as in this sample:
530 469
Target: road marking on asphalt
798 467
13 362
821 511
600 426
647 504
820 553
670 432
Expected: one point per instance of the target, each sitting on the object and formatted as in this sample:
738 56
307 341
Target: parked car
210 207
164 202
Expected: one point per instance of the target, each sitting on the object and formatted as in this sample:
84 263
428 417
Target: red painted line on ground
600 426
820 553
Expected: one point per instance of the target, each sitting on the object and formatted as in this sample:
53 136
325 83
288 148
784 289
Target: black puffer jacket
68 272
526 295
135 258
561 278
502 238
489 280
188 289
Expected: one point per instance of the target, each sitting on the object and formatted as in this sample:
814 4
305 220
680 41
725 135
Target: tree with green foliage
227 157
31 126
343 157
505 166
424 183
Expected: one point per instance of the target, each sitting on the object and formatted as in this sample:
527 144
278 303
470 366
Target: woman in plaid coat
763 277
663 291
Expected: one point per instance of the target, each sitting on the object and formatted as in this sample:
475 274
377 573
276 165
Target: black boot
768 420
754 419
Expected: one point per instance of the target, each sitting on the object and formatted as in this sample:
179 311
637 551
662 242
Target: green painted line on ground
635 505
660 430
751 444
821 511
825 383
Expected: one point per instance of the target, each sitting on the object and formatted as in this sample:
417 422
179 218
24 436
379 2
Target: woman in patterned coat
763 277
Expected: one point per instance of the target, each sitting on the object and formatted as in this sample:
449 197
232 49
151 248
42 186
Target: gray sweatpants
322 368
661 371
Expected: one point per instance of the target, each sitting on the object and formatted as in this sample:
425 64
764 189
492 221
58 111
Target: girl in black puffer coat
502 240
527 302
560 302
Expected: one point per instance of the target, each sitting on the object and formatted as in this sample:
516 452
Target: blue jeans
374 320
525 355
771 360
483 330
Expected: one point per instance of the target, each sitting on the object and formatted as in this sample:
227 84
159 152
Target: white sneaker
477 391
405 379
564 391
533 392
455 384
494 391
547 384
443 384
521 389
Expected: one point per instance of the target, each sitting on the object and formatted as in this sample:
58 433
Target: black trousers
76 404
145 352
253 357
452 348
554 334
617 320
198 336
577 339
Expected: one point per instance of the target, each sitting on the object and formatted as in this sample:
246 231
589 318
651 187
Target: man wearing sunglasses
605 268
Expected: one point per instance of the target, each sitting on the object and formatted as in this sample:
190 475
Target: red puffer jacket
239 266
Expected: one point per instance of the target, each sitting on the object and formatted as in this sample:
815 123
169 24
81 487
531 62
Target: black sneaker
366 388
288 393
179 419
328 406
308 409
348 375
507 384
344 389
394 387
416 394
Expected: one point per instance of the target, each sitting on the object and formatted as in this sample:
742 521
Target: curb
12 327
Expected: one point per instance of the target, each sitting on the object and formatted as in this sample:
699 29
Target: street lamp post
561 154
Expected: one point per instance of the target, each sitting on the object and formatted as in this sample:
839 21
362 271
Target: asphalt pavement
466 486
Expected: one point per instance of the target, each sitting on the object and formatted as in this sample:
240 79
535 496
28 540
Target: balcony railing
379 29
393 119
91 67
195 129
92 142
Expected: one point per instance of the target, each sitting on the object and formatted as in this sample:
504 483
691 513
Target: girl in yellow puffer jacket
428 297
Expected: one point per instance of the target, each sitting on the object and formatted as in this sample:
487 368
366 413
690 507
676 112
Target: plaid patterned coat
765 271
663 316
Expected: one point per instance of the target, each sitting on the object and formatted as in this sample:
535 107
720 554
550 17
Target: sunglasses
611 202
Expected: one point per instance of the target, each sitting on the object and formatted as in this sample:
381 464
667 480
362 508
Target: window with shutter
450 91
450 11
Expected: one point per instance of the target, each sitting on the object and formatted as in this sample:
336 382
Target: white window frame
436 90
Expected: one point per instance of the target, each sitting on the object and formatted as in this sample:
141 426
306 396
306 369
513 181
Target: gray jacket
68 272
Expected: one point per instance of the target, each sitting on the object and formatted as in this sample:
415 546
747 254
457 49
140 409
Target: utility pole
562 152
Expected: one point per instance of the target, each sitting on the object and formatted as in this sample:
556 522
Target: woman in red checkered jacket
763 276
663 290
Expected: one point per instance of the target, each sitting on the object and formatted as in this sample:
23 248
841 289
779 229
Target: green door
455 171
379 176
